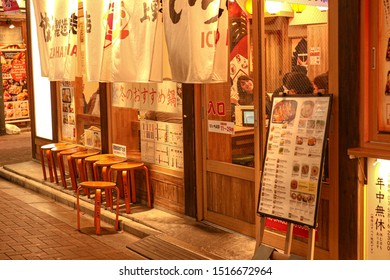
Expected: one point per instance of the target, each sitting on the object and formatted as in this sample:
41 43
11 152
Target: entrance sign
293 161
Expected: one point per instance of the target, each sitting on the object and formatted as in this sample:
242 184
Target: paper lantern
298 8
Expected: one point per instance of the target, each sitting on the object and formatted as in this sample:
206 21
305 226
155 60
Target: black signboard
293 161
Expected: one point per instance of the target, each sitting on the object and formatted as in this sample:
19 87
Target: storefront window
296 53
147 120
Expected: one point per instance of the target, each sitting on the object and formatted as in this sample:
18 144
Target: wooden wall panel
125 128
231 197
317 38
167 191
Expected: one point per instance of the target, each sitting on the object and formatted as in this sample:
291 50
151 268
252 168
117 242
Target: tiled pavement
28 233
38 220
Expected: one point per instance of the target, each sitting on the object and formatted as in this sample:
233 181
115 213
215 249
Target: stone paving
28 233
38 220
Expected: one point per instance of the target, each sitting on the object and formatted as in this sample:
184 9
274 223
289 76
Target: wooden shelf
369 153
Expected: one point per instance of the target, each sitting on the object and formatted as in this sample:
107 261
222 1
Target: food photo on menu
292 165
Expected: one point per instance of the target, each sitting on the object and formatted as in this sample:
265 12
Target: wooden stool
98 186
126 172
55 152
89 161
104 164
67 153
79 167
45 150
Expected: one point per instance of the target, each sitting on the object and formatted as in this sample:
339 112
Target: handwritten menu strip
292 166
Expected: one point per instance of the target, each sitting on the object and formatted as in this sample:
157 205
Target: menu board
292 166
14 75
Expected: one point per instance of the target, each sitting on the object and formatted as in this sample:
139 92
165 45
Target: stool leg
83 175
72 172
105 171
43 165
148 186
98 198
117 209
126 190
62 169
133 187
54 166
49 158
95 169
78 206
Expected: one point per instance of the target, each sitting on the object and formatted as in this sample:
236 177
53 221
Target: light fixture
298 8
322 8
248 6
10 24
273 7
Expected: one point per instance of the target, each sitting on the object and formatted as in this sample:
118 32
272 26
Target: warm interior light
248 6
273 7
322 8
298 8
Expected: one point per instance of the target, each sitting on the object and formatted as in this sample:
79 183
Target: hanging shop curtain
57 38
196 35
122 44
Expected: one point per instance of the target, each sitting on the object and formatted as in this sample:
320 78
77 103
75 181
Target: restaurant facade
187 95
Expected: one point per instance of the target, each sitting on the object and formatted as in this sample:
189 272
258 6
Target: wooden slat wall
317 37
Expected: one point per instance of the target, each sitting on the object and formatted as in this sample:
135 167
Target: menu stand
265 252
294 156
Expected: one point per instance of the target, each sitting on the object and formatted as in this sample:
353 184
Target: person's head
298 83
245 84
320 83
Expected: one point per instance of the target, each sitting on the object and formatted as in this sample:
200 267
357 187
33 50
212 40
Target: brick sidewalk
26 233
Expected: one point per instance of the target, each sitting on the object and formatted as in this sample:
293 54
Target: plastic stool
98 186
126 173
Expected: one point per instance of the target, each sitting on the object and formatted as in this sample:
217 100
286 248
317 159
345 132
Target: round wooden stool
56 151
126 174
79 167
67 153
89 161
104 165
45 151
98 186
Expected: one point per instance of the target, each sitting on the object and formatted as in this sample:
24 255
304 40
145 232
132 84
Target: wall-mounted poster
14 75
68 113
162 143
293 161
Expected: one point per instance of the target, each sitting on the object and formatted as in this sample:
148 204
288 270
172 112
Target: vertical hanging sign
196 35
57 38
121 40
378 210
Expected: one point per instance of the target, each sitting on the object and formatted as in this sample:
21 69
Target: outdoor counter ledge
369 153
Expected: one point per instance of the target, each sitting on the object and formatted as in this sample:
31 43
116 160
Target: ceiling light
322 8
273 7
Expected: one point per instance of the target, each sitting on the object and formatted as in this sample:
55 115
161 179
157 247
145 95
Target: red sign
10 5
